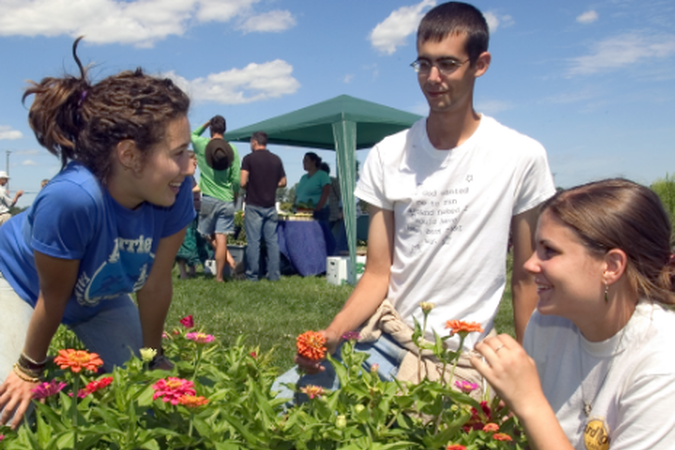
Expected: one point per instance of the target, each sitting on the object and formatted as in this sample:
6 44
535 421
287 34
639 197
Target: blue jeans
384 352
261 223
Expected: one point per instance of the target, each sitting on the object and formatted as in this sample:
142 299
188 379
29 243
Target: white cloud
622 51
348 78
28 162
272 21
136 22
7 133
253 83
491 107
495 21
393 31
588 17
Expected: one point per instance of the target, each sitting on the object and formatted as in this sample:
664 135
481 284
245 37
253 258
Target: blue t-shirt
74 217
310 188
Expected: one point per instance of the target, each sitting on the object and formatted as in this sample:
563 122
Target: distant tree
281 194
665 189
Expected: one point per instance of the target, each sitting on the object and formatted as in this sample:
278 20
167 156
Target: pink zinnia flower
172 389
2 436
200 338
254 355
312 391
47 389
187 321
351 336
466 386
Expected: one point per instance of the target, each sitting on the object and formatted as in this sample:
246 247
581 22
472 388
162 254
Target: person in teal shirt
314 187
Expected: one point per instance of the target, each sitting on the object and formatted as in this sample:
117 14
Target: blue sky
593 81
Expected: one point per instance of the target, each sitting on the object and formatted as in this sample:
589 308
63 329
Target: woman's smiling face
569 277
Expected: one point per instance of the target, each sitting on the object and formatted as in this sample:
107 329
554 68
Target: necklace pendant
587 408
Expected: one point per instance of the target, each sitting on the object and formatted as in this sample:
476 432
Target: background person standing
262 172
6 202
219 166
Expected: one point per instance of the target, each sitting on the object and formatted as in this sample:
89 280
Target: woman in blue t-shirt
313 188
109 224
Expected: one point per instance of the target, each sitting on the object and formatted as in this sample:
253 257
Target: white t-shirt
452 212
5 200
628 379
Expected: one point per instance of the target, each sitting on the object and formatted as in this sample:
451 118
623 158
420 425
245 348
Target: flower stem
73 407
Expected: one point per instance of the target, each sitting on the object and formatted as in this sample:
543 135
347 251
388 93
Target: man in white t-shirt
6 202
447 196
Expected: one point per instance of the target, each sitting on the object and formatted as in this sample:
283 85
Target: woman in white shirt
596 370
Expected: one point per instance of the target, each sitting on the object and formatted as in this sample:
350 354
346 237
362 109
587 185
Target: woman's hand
511 372
15 394
311 366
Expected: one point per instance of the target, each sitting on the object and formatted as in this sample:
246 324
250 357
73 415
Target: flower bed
219 398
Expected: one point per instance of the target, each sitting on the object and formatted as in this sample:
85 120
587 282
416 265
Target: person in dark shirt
262 172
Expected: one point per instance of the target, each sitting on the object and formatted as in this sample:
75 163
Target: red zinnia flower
455 447
311 345
459 326
187 321
76 360
501 437
98 384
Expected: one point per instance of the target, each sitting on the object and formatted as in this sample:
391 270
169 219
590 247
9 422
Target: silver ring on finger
499 347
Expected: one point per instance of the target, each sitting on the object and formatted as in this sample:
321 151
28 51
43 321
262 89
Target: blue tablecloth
304 244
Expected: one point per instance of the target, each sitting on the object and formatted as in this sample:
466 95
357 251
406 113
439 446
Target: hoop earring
606 293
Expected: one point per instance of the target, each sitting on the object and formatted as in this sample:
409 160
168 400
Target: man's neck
217 136
451 129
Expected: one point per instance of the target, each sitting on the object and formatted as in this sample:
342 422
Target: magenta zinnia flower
47 389
187 321
200 338
351 336
466 386
172 389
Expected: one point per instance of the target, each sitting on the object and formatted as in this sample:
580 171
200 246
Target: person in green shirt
313 188
219 168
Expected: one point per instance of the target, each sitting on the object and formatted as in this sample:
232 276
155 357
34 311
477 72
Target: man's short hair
455 18
218 125
260 137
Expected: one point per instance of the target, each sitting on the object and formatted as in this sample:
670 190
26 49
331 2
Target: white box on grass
336 268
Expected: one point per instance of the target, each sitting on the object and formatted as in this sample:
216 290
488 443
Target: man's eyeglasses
445 65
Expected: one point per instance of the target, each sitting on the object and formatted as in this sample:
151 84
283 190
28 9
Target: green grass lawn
271 315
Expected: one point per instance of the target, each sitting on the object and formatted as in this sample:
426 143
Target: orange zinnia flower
455 447
501 437
192 401
490 427
312 391
76 360
311 345
459 326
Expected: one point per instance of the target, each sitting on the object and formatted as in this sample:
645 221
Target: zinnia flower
47 389
147 354
187 321
192 401
491 427
172 389
427 306
312 391
341 421
200 338
2 436
97 385
254 355
455 447
501 437
374 368
466 386
351 336
76 360
462 328
311 345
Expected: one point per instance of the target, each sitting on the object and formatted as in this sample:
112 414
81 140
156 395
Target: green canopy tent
344 124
